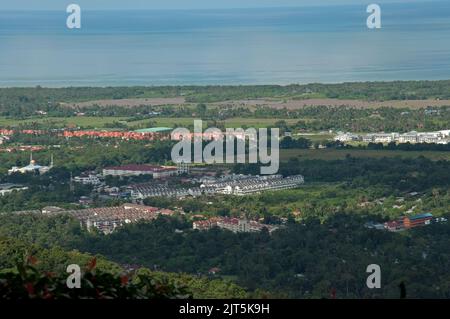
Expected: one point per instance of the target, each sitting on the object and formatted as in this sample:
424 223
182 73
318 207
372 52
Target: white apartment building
385 137
240 185
244 185
136 170
90 179
9 188
408 138
434 137
368 138
346 137
439 137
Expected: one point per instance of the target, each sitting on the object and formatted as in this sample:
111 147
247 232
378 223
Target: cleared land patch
128 102
266 102
333 154
296 104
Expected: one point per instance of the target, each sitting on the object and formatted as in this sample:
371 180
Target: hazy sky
177 4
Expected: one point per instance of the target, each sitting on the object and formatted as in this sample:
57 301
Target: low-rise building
89 178
33 167
202 225
394 225
439 137
408 138
429 138
107 219
346 137
407 222
239 185
142 191
368 138
243 185
9 188
385 137
144 169
418 220
52 210
3 139
235 225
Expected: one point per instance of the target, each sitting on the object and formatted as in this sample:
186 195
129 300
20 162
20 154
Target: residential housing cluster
107 219
235 225
247 184
155 171
438 137
142 191
239 185
157 133
88 178
151 134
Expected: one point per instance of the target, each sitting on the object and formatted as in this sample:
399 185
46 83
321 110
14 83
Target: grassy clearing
101 122
255 122
232 123
58 122
94 122
163 121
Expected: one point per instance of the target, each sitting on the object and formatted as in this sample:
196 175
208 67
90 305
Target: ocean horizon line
63 8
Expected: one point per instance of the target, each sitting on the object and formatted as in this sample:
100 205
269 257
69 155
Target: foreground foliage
47 268
29 283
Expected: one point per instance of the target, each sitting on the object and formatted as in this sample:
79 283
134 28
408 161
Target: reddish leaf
92 264
32 260
30 288
124 280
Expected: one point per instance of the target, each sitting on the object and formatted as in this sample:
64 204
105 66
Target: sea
327 44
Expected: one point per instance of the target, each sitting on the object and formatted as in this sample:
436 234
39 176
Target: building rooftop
141 168
154 130
6 186
426 215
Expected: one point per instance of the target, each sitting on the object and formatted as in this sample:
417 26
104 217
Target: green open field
332 154
234 122
163 121
255 122
58 122
100 122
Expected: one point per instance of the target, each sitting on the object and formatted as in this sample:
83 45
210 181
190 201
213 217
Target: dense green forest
303 260
39 260
311 118
25 101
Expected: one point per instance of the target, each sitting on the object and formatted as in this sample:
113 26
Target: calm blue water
245 46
